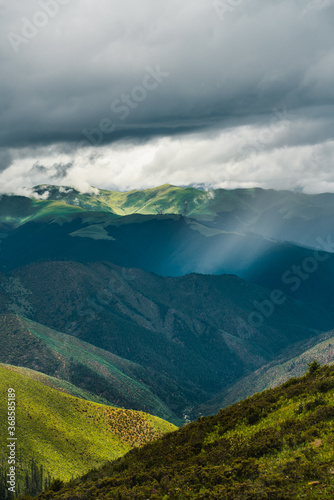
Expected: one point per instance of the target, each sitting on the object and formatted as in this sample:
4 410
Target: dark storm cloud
61 170
38 169
5 159
165 68
57 171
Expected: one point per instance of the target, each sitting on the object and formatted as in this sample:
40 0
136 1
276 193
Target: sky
139 93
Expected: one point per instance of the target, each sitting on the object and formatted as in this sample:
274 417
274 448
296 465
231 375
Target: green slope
56 383
272 374
169 199
165 199
69 436
102 376
16 210
277 445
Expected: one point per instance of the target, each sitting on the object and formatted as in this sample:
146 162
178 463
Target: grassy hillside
69 436
58 384
16 210
98 375
164 199
276 445
283 215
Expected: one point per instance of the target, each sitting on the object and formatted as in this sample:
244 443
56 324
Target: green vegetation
66 435
77 367
164 199
276 445
16 210
58 384
168 199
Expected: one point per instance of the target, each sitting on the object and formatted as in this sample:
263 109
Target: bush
325 385
317 401
299 409
325 413
252 416
313 367
56 485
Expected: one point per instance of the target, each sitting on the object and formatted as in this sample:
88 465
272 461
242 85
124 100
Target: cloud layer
126 95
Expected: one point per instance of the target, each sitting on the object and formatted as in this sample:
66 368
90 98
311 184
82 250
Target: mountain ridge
283 215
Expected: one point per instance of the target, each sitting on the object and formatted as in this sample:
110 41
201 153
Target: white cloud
279 157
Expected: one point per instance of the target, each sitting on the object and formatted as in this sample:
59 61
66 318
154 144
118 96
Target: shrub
299 409
252 416
313 367
325 385
325 413
56 485
317 401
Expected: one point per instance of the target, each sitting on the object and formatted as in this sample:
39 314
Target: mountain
189 337
282 215
275 445
96 374
165 244
56 383
86 270
175 245
291 363
303 219
16 210
172 246
66 435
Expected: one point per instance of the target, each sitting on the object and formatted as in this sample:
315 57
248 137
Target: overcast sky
137 93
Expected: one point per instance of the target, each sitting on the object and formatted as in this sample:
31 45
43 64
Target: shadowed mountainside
292 363
96 374
191 336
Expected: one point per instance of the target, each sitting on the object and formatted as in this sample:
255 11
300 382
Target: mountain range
171 301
